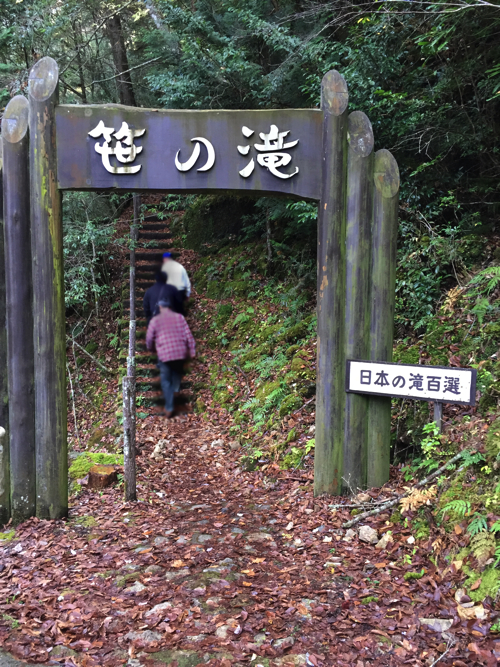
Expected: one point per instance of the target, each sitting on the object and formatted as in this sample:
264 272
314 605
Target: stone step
124 322
126 303
153 399
146 372
153 383
154 226
150 235
154 218
150 256
147 271
153 244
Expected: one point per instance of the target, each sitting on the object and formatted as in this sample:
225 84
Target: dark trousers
170 378
181 298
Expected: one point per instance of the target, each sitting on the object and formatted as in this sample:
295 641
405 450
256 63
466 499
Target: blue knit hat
167 254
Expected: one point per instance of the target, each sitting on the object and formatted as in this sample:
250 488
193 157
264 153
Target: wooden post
5 489
357 313
19 314
128 442
384 236
330 399
129 383
438 415
48 296
4 386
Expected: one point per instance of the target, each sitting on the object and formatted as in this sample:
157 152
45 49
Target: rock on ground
368 534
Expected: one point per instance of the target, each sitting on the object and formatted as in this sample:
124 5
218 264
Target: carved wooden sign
122 148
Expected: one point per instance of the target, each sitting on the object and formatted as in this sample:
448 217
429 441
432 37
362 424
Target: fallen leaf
476 585
437 624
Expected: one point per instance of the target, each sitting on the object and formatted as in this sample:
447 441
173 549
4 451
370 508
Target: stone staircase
154 239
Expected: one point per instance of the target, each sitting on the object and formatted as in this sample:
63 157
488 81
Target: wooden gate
321 154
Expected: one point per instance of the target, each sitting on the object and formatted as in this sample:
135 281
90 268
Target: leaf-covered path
222 567
215 565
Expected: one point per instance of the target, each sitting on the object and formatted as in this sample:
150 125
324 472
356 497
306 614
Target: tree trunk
268 242
78 46
123 80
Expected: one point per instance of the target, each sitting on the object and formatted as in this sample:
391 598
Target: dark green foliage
224 312
214 219
86 237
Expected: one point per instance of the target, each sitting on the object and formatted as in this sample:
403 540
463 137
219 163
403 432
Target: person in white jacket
176 276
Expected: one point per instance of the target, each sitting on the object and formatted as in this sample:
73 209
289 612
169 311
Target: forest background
428 77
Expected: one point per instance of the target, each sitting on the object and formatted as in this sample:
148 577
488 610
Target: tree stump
101 476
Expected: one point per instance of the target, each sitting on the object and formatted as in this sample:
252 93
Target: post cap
360 134
43 79
15 119
386 173
334 93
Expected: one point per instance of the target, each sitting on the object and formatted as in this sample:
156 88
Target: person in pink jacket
169 335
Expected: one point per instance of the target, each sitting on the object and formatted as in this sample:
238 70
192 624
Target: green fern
491 274
275 397
478 524
483 546
252 403
497 556
459 507
471 458
495 528
240 319
482 307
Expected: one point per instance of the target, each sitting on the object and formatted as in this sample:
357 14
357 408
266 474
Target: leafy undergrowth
260 358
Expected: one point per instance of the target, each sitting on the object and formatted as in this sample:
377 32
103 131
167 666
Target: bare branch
115 76
101 365
396 500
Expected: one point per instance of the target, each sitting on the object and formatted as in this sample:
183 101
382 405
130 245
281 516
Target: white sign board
425 383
